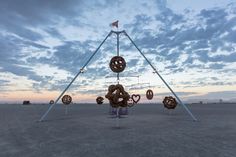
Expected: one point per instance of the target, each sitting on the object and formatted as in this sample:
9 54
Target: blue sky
45 43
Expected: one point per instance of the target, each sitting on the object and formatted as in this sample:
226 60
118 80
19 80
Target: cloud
4 84
216 66
12 57
63 35
40 11
198 41
178 93
225 95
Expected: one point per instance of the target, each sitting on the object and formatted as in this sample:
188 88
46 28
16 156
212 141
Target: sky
43 45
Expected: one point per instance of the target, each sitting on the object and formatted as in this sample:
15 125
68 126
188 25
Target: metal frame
81 71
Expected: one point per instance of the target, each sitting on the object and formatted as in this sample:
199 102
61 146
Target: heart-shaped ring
135 98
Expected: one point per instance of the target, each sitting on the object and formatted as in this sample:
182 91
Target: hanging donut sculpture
117 96
130 102
66 99
117 64
99 100
169 102
149 94
135 98
51 102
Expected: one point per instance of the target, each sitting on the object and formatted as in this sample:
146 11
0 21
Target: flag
114 24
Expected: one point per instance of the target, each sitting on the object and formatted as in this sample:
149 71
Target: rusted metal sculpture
117 96
117 64
169 102
149 94
99 100
66 99
51 102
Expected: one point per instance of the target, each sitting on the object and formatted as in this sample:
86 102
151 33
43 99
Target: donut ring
169 102
130 102
99 100
51 102
117 64
66 99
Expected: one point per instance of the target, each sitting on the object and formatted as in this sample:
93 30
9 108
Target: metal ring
99 100
149 94
117 96
66 99
117 64
130 102
136 98
169 102
51 102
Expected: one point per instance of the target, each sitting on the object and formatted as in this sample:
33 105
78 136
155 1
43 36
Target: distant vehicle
26 102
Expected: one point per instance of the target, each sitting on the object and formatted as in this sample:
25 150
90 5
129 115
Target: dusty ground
149 130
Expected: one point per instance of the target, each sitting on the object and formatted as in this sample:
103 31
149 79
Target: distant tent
26 102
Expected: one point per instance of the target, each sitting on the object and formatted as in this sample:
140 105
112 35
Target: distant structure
26 102
220 101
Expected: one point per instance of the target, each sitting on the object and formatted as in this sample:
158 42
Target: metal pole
66 111
45 114
118 44
118 117
118 53
185 107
